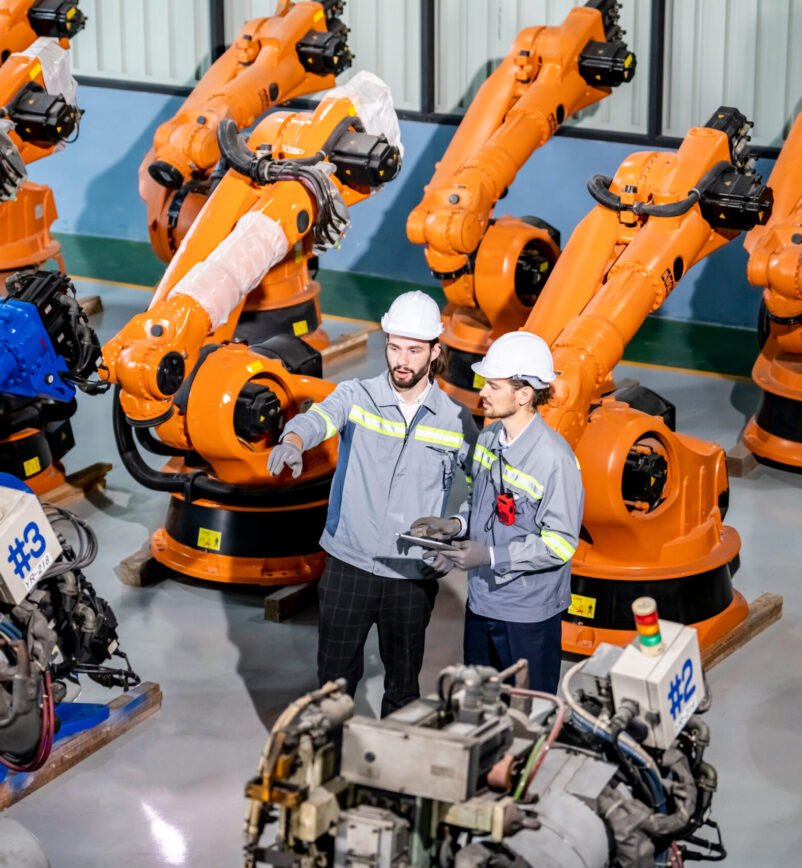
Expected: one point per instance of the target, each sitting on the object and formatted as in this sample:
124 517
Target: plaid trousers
351 601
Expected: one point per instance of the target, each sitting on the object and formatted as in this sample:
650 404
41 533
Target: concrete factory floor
170 792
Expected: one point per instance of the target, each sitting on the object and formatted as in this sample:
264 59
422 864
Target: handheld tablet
436 544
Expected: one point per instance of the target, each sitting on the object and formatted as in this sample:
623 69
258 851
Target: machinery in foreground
53 625
214 406
298 50
774 433
486 774
493 269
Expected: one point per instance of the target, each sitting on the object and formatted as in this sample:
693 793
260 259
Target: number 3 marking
34 539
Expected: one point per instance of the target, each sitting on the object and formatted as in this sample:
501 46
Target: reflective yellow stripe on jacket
375 423
439 436
511 475
558 544
330 429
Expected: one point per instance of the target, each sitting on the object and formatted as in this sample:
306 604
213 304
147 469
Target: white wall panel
152 41
473 36
742 53
384 38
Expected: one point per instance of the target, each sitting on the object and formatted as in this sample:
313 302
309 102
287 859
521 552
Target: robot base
236 545
774 433
26 454
601 607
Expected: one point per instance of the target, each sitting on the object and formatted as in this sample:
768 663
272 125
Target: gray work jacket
387 474
530 580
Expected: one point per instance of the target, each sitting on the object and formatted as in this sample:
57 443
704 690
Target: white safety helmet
413 315
518 355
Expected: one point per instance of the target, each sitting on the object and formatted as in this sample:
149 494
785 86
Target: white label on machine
28 545
667 688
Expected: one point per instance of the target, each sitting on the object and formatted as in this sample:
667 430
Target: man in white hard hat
522 520
401 440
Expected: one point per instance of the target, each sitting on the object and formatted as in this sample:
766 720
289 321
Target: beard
409 382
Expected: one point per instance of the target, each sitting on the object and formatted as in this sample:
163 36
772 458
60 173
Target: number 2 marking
687 674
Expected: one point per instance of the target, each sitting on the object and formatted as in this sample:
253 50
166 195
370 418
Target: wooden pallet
78 484
288 600
125 712
740 461
356 342
91 304
763 612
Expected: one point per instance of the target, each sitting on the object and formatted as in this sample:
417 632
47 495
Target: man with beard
522 520
401 439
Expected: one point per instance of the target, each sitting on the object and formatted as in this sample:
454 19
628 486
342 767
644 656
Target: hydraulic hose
599 189
199 485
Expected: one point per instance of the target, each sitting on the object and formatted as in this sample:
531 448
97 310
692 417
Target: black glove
432 527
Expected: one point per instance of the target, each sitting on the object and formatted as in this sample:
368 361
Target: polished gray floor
170 792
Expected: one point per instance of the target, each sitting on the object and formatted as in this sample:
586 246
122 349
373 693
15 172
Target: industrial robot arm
24 21
298 50
175 369
775 264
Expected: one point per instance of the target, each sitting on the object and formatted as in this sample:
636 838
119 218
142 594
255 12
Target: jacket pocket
443 463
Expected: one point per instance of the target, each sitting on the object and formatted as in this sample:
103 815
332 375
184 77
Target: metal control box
667 688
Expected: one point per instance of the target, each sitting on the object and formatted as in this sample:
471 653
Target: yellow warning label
300 328
31 466
209 539
478 381
299 252
582 607
35 70
254 367
71 12
318 15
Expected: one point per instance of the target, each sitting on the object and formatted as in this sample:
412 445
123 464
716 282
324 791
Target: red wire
555 730
47 735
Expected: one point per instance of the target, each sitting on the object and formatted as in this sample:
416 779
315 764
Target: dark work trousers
351 601
489 642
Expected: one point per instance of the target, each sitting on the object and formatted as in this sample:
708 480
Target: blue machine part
29 365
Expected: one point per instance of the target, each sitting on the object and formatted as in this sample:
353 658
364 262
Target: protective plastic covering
235 267
373 102
55 68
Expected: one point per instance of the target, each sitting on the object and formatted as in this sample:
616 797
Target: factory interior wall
95 185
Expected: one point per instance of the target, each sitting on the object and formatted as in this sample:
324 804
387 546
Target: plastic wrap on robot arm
516 111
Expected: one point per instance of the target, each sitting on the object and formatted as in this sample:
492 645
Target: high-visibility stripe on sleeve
484 456
558 544
439 436
331 430
372 422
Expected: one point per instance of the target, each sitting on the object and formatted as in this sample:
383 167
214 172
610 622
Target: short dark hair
540 397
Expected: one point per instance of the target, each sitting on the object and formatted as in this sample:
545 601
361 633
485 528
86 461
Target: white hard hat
518 355
413 315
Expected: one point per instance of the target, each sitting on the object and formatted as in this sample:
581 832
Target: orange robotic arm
550 74
169 363
23 21
296 51
775 264
654 499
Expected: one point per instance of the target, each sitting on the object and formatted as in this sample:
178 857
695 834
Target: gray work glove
469 554
285 455
432 527
438 561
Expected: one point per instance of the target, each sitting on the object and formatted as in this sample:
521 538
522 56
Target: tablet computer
436 544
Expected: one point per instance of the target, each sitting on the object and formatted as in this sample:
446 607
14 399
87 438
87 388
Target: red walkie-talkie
505 506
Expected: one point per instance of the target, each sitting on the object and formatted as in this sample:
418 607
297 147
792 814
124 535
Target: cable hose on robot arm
198 484
599 189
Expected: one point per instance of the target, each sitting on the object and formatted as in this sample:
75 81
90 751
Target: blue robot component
30 367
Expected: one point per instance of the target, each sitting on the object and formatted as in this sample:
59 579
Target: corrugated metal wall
384 38
742 53
151 41
473 37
